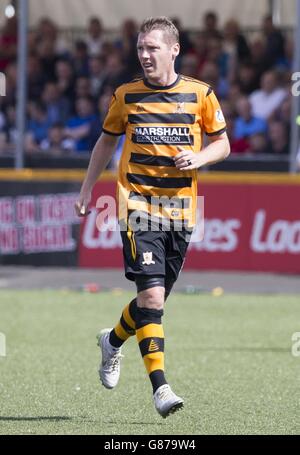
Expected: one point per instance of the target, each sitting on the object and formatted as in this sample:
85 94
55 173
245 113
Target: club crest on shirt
140 108
147 258
175 213
180 108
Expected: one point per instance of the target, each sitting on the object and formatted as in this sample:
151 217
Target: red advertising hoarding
248 226
38 223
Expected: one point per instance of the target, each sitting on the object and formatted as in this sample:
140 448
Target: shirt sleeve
114 122
212 118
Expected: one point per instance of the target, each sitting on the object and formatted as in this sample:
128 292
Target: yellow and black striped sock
150 336
125 327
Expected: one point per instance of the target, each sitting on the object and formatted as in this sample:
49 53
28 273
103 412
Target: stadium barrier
235 162
252 222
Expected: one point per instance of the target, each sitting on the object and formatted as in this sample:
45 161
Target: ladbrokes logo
162 135
280 236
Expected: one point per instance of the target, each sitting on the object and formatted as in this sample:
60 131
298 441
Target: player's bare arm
217 150
101 155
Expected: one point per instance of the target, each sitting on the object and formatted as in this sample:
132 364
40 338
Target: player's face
156 54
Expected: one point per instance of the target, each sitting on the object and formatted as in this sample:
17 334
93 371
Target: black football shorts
154 253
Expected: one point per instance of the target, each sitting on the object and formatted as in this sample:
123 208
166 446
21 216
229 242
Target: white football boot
166 402
109 370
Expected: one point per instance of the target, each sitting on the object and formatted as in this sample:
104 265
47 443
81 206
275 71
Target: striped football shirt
155 120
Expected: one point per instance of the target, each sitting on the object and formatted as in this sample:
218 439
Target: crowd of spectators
70 84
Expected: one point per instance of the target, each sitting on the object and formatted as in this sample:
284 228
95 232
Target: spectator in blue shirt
78 127
57 106
246 124
38 124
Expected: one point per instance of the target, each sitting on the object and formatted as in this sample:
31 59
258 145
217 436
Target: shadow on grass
114 422
243 349
33 419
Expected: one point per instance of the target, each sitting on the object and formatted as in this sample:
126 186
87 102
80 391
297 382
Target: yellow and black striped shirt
156 120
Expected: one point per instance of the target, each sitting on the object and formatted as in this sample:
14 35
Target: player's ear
176 50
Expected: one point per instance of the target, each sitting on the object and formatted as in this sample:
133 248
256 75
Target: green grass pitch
229 357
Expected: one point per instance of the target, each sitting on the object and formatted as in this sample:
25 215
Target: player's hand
186 160
82 204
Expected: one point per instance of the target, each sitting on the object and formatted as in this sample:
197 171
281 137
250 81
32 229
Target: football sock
125 327
150 336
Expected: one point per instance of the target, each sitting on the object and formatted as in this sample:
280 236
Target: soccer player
164 116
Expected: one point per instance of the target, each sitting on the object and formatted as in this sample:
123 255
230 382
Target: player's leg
165 400
169 283
149 329
125 328
150 336
178 243
110 342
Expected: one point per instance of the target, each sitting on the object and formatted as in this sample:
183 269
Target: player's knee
152 298
151 291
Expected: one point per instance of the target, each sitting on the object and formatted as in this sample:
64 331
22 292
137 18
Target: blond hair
161 23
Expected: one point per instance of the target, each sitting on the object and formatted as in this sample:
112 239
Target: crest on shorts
180 108
148 258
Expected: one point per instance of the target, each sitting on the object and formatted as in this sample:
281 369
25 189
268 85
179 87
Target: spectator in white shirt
97 74
56 142
266 100
95 37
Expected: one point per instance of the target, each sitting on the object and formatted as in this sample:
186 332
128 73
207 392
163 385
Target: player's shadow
32 419
244 349
115 422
